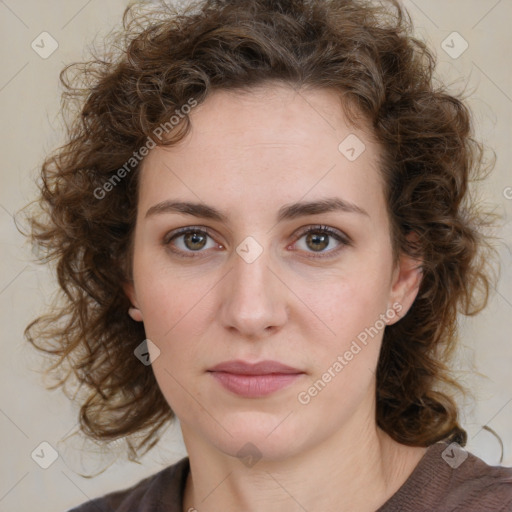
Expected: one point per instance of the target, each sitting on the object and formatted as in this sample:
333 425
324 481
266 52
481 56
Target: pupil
195 238
318 239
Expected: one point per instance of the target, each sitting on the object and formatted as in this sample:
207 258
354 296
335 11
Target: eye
319 238
189 240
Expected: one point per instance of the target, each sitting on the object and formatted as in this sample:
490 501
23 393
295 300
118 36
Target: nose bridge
253 300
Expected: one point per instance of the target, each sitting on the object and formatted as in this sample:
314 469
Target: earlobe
394 313
134 311
135 314
406 284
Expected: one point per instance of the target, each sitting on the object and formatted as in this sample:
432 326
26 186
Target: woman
261 226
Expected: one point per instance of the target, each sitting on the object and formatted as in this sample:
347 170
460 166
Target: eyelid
176 233
340 236
186 229
326 229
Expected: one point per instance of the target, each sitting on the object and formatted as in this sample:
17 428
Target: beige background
30 127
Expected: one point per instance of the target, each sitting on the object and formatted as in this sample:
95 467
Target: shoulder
449 478
162 491
472 483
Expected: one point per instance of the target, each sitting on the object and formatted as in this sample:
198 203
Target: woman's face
252 285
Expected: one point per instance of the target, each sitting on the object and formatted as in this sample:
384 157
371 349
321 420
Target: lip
254 380
262 368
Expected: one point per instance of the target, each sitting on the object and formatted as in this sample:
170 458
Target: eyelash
343 239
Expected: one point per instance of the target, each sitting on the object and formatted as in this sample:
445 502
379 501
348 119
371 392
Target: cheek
176 311
350 298
346 319
347 322
165 295
172 319
162 310
347 341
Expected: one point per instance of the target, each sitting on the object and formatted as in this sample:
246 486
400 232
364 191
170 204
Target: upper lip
261 368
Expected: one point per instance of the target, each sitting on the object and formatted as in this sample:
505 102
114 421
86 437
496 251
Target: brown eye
317 241
189 240
323 240
194 240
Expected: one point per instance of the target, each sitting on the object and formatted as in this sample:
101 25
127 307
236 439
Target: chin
260 436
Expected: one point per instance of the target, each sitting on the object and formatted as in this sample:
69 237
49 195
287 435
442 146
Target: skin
249 154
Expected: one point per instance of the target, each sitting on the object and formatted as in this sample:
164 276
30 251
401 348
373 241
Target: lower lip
254 386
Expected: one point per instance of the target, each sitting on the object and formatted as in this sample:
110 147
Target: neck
355 469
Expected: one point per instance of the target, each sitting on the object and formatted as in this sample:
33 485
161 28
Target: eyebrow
286 212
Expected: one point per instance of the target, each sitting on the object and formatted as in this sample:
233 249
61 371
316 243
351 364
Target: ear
134 312
406 283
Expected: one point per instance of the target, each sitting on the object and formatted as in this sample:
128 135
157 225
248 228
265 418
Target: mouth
254 380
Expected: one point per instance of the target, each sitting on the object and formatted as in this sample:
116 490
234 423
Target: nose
254 298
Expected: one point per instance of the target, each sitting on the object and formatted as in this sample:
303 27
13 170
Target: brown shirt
447 479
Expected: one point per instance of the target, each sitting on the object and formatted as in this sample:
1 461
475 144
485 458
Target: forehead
274 114
270 140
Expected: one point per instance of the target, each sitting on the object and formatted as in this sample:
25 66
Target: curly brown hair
158 61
